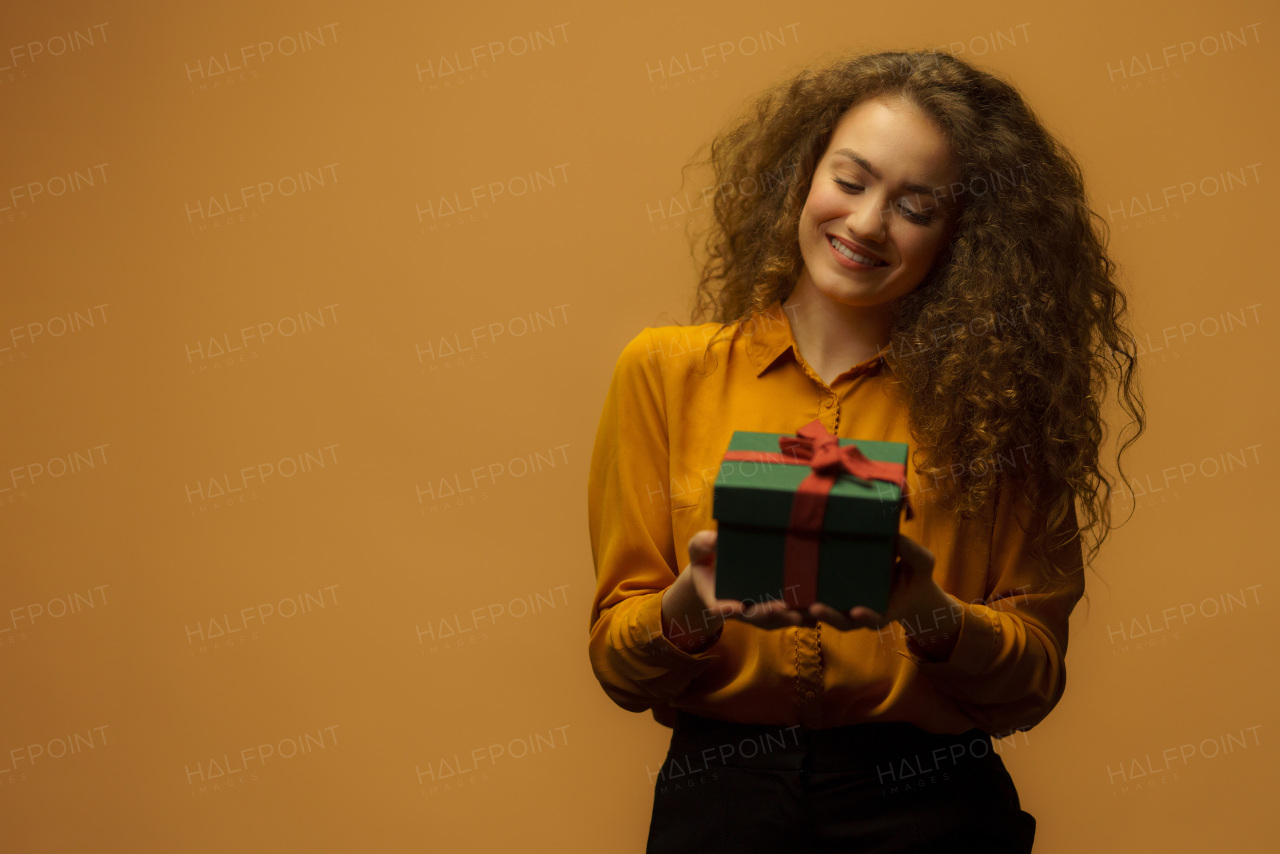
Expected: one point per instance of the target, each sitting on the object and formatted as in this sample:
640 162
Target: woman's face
879 192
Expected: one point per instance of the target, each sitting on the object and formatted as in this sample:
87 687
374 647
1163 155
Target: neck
833 336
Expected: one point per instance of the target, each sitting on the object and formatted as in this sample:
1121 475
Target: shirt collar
770 338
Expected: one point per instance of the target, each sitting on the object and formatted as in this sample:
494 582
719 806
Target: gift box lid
760 493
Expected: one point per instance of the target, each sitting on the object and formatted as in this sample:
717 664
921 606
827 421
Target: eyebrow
936 192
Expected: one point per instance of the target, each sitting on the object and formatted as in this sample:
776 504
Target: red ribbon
815 446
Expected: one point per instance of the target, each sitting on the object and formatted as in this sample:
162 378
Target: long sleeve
669 413
1007 669
629 515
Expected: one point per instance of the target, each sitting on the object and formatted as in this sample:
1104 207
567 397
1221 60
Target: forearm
631 541
932 631
635 663
1002 667
685 621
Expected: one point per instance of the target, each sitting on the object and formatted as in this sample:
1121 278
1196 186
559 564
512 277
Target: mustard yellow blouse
667 419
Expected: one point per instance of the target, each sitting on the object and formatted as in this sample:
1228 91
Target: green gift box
808 518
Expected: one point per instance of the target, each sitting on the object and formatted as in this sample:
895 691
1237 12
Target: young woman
900 249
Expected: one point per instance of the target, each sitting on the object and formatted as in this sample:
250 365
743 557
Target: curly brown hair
1027 260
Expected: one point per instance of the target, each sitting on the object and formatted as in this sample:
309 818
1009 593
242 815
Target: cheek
818 208
810 220
807 213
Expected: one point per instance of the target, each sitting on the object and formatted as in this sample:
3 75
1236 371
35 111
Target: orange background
156 627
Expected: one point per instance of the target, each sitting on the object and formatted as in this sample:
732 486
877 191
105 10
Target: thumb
914 557
702 547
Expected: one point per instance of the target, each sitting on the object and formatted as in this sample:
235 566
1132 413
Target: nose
866 219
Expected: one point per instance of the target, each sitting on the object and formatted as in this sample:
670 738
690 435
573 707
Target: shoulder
673 351
667 349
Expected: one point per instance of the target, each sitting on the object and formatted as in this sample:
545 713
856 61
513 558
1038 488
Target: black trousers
866 788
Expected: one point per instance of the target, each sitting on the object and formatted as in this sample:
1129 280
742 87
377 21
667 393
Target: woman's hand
914 596
699 579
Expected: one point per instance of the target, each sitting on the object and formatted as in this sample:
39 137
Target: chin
853 295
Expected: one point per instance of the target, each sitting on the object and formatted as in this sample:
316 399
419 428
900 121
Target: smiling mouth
854 256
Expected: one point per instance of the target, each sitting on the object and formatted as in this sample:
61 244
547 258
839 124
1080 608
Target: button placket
809 675
829 412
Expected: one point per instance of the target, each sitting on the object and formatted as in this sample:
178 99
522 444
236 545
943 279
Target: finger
859 617
825 613
858 614
724 609
913 554
760 609
702 546
736 609
774 614
867 618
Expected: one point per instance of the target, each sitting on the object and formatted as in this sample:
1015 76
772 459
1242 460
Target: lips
859 249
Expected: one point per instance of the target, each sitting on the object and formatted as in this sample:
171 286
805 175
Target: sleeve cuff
934 646
650 637
975 650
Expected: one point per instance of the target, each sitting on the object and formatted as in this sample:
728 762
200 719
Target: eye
919 218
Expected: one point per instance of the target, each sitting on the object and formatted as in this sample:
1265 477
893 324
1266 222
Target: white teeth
849 253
